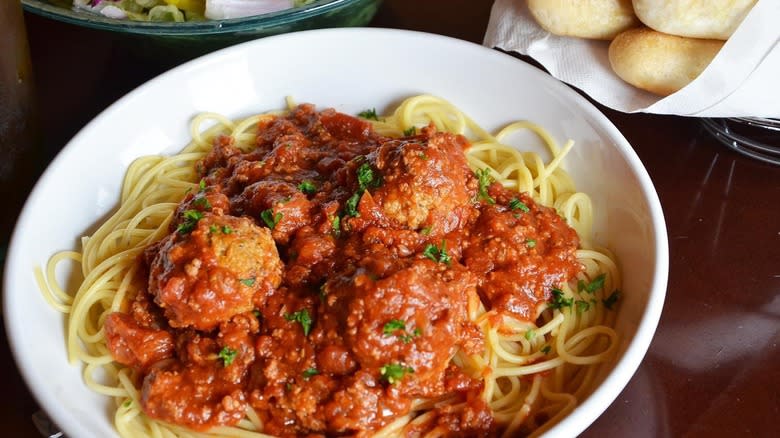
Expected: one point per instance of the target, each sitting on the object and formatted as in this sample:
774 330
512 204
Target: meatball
414 320
520 253
425 183
224 266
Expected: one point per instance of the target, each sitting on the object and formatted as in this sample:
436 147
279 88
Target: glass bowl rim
269 20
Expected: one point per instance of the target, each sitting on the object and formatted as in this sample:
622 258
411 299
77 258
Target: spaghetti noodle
532 368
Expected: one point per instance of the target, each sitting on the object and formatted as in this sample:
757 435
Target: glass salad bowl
192 38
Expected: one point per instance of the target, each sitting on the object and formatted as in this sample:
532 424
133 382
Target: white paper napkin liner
738 82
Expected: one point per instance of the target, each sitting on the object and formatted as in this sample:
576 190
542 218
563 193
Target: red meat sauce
324 279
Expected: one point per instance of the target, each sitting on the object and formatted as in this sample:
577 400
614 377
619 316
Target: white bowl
351 70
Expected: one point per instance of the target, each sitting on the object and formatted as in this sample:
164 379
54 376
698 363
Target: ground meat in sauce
324 278
520 255
222 267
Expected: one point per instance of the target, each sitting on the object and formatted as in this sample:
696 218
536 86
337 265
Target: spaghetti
530 369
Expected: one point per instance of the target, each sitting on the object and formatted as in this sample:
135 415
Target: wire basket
755 137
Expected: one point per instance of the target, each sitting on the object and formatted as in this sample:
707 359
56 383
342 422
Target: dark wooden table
714 366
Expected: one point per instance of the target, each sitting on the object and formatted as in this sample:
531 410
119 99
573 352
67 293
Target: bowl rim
46 9
624 365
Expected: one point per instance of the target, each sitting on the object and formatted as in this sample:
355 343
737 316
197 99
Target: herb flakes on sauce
438 254
228 355
394 372
271 219
303 318
191 218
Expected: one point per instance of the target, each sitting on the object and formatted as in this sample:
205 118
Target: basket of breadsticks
715 58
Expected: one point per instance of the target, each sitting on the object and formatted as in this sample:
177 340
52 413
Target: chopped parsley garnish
422 156
394 372
580 285
310 372
191 218
202 202
530 334
531 243
127 403
559 301
611 299
248 281
546 349
395 326
256 313
365 174
582 306
407 338
438 254
225 229
336 225
392 326
367 177
307 187
516 204
596 284
350 208
201 187
228 355
443 256
303 318
411 131
483 175
270 218
426 231
369 114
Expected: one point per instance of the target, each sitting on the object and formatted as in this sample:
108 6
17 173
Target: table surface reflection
713 368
